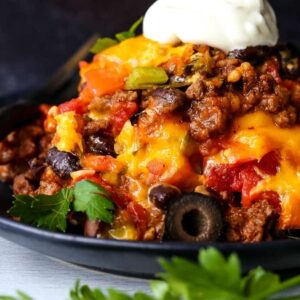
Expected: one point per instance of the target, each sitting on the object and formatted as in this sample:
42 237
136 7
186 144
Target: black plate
67 29
137 259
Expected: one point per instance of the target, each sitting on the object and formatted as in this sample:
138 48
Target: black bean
253 54
63 163
161 195
100 144
165 100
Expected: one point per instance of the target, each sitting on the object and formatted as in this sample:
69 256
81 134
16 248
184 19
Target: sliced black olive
162 194
63 163
101 144
194 218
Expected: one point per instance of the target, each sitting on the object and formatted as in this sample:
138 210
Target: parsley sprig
213 278
50 212
107 42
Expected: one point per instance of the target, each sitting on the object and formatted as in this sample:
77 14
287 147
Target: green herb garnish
94 201
50 212
44 211
102 44
213 278
145 77
106 42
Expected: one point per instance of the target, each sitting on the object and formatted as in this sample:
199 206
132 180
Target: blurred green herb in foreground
213 278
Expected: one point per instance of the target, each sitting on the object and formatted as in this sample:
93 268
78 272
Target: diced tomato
104 82
241 177
139 216
122 112
101 163
269 164
76 105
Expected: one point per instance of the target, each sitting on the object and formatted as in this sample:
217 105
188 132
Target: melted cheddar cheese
253 136
110 68
67 137
162 158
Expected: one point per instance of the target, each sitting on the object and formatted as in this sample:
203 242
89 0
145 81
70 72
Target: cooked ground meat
253 88
50 183
250 225
114 109
210 91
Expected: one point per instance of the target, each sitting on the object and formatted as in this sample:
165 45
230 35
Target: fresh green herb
50 212
94 201
20 296
145 77
106 42
122 36
213 278
102 44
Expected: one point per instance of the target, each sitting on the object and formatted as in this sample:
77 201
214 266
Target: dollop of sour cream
224 24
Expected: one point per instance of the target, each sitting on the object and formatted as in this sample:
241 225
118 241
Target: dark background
36 36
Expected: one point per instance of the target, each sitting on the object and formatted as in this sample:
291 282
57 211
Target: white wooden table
46 279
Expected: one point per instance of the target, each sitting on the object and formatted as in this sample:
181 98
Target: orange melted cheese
254 135
162 158
116 63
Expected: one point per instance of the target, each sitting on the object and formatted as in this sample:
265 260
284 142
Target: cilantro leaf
122 36
49 212
102 44
106 42
94 201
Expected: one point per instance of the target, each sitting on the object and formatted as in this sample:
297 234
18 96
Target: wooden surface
46 279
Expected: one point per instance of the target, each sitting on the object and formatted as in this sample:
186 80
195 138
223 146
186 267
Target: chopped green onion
102 44
145 77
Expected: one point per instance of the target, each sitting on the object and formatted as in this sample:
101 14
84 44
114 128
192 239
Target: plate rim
140 245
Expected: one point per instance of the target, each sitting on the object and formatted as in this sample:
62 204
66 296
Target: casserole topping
182 142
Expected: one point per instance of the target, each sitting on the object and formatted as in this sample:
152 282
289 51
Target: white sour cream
224 24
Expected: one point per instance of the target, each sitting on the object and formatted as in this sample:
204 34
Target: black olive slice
194 218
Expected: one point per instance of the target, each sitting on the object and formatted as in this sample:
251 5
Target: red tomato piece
76 105
122 112
139 216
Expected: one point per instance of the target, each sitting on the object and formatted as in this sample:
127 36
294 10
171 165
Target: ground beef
209 117
7 172
106 104
115 109
254 89
250 225
50 183
17 150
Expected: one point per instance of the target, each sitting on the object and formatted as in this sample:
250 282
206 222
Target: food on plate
186 133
